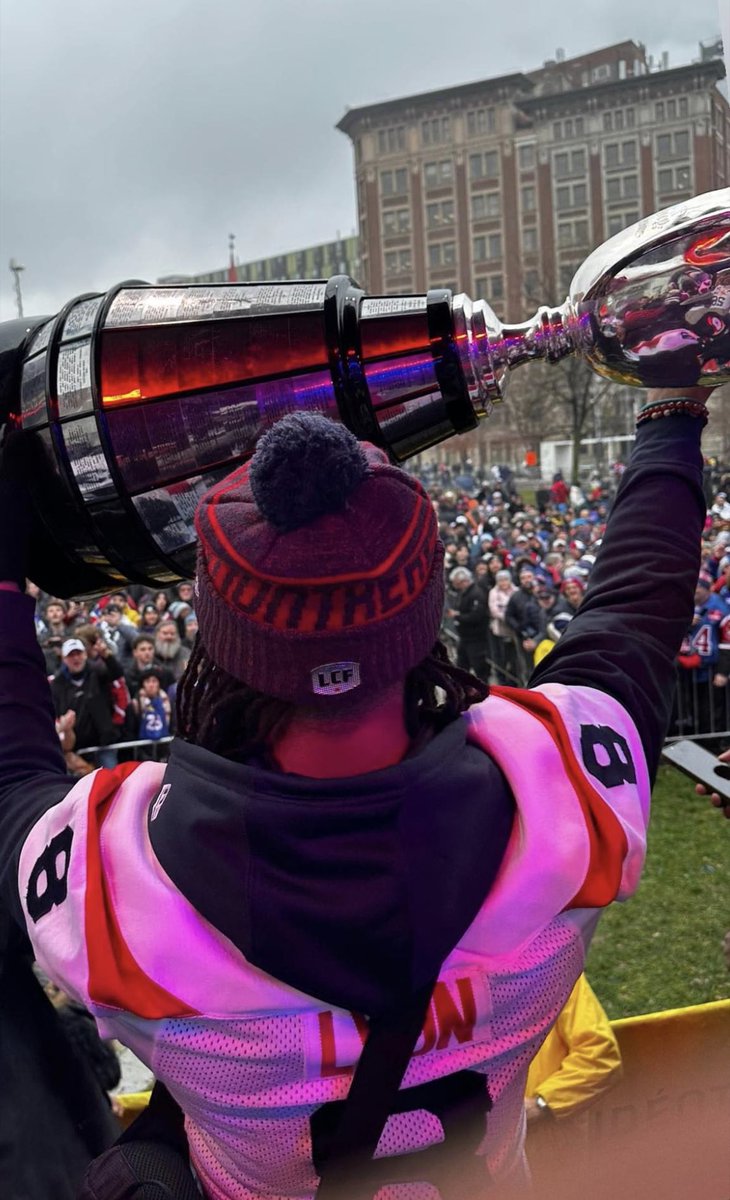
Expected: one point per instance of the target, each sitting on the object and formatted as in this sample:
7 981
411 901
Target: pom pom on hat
304 467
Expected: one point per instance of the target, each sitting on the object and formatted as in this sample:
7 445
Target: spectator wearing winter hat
556 626
54 618
149 618
471 619
524 618
502 642
721 586
154 710
572 593
704 657
720 508
191 630
483 576
184 590
711 563
179 610
548 598
118 633
559 493
122 598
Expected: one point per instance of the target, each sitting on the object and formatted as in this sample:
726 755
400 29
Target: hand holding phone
711 774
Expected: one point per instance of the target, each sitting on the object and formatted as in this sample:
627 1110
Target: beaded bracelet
670 408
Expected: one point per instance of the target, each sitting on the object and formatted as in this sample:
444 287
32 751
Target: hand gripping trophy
138 400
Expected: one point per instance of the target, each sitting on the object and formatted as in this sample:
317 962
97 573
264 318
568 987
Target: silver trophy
138 400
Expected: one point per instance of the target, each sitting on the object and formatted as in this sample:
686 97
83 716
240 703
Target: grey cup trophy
138 400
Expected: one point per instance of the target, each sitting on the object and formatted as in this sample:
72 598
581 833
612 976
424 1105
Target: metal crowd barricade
133 745
701 710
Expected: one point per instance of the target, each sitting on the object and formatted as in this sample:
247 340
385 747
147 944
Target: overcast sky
137 135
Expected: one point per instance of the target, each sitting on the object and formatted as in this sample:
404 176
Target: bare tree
555 400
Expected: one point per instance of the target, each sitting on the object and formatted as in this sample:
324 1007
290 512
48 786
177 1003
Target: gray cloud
135 136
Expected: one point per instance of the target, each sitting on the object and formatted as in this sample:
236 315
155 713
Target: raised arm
32 768
639 603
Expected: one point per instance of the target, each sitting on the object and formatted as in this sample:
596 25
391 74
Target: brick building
501 187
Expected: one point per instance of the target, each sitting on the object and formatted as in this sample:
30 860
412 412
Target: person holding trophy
343 918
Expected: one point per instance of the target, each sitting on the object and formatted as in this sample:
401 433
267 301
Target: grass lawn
663 948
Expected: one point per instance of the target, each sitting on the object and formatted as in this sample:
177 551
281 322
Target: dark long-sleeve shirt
353 891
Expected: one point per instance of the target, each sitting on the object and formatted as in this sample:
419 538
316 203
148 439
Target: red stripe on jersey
115 977
607 841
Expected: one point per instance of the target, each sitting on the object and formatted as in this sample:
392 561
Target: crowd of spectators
113 665
517 569
517 565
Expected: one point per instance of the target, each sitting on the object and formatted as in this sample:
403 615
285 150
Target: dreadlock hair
221 713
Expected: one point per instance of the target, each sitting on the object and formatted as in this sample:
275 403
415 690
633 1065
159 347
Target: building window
394 183
671 110
622 187
577 162
442 254
618 119
620 154
618 221
529 199
480 121
485 204
439 214
396 220
436 131
573 233
489 287
673 145
391 140
437 174
398 262
484 166
681 144
565 164
529 240
571 195
569 128
526 157
487 248
531 285
674 179
566 276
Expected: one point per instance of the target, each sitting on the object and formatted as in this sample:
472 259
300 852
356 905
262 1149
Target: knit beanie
320 569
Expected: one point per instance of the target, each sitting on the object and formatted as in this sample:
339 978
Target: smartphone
701 766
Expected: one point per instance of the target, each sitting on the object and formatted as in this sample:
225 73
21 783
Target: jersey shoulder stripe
67 892
606 837
115 977
575 764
